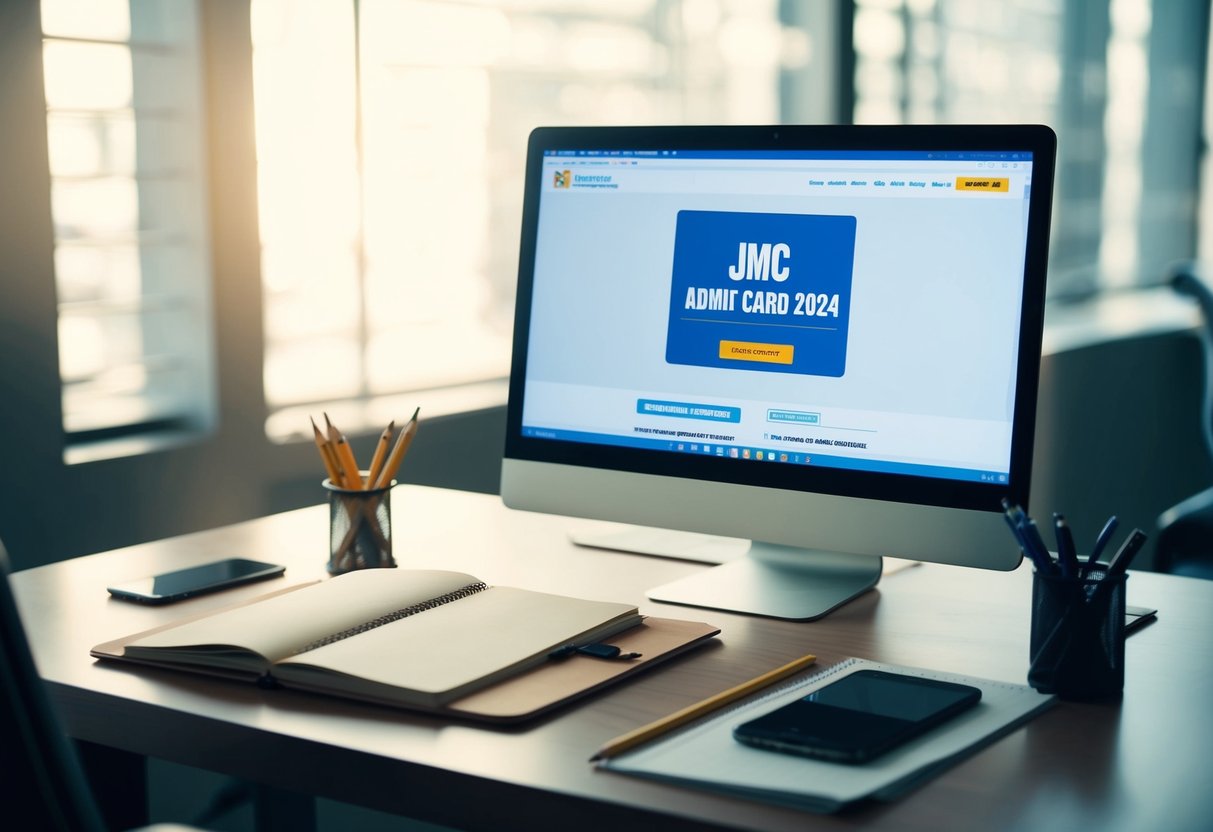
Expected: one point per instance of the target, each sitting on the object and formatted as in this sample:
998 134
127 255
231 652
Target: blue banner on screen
765 292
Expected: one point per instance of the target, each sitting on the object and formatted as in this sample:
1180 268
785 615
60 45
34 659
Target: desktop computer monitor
823 339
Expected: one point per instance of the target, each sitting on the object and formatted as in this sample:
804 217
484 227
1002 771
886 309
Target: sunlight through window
131 254
390 161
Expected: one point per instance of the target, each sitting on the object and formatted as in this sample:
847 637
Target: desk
1138 765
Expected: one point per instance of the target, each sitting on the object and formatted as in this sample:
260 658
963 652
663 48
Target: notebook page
470 641
281 626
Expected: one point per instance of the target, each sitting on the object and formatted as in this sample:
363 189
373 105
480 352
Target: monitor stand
778 582
662 543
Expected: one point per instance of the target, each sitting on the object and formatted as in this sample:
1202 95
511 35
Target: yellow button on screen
987 183
750 351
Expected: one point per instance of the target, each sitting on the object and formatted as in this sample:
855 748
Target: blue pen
1036 544
1009 514
1027 550
1031 544
1101 543
1016 516
1011 525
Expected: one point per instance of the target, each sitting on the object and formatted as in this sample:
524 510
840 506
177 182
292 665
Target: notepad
705 755
415 638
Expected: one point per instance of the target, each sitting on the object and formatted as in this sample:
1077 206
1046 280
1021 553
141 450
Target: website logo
562 179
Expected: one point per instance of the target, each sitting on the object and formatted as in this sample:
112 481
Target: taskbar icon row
740 452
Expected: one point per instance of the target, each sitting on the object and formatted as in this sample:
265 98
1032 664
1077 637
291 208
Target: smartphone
197 580
858 717
1136 617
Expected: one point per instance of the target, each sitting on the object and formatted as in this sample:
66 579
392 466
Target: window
390 140
1118 80
391 136
131 254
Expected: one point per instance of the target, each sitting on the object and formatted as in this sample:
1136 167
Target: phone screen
858 717
184 583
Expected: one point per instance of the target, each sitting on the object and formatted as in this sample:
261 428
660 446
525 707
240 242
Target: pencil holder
360 528
1078 636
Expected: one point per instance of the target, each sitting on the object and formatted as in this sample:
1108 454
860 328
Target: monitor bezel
1038 140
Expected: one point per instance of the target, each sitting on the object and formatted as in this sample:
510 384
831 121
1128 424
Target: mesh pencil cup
1078 636
360 528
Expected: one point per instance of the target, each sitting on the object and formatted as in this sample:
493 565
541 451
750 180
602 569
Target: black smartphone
1137 617
196 580
858 717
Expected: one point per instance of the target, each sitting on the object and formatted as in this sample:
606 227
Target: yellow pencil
381 448
678 718
329 432
326 455
398 451
347 464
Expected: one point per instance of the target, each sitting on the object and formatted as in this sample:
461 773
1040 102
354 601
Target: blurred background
222 217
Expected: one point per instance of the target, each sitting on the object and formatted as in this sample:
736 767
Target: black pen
1120 563
594 651
1125 554
1065 547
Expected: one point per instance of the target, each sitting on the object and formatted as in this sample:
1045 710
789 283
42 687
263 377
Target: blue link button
688 410
798 417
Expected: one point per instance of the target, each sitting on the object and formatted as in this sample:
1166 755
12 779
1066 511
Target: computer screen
822 338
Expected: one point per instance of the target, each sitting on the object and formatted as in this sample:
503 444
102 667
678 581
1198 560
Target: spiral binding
405 612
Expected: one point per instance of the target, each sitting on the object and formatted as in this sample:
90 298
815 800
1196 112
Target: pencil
346 463
326 455
381 449
398 451
679 718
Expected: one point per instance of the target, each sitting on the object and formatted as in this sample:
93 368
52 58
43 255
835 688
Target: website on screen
852 310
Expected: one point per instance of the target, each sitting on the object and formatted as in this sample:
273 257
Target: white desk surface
1140 764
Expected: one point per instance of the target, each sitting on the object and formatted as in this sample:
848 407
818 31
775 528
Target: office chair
1185 531
42 785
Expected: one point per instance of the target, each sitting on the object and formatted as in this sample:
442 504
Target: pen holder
1078 636
360 528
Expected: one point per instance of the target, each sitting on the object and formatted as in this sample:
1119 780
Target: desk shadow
1031 778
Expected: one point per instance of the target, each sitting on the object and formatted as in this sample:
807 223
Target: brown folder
519 697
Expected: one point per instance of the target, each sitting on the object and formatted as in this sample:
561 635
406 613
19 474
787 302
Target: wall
1117 429
50 510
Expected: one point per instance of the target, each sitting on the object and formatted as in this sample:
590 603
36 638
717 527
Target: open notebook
412 638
